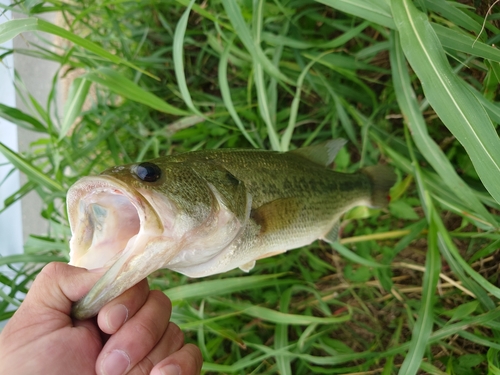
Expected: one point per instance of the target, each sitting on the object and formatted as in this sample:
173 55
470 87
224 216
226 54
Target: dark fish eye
148 172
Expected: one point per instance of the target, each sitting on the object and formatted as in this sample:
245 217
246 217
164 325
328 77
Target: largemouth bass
206 212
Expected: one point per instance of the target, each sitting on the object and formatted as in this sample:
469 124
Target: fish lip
149 219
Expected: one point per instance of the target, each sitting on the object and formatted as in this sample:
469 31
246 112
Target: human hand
131 335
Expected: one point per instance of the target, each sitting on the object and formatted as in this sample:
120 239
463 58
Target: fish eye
148 172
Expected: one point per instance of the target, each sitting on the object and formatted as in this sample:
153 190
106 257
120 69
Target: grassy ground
410 289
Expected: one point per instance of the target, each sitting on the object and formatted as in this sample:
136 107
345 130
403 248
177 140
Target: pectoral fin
247 266
333 233
277 215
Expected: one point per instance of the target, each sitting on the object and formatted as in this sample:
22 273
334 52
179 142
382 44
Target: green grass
411 288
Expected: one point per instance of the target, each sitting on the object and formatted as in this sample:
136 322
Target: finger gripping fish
206 212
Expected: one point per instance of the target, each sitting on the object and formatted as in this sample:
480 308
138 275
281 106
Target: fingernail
170 370
116 316
115 363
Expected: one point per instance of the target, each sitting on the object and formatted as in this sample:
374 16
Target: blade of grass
479 340
30 170
274 316
493 361
287 135
178 56
423 326
223 286
25 258
276 39
450 97
264 104
447 242
452 329
128 89
17 195
206 14
281 336
433 154
74 103
21 119
373 11
264 107
460 41
226 94
345 252
10 29
453 14
451 254
234 13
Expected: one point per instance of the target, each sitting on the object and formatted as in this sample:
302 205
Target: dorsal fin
323 153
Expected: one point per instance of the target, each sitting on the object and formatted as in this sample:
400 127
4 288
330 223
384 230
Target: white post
11 232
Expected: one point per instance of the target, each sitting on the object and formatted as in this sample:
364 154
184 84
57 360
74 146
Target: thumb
47 305
58 285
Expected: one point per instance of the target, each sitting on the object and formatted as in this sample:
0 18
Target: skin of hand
131 335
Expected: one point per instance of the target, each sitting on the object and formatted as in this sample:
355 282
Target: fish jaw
117 231
127 271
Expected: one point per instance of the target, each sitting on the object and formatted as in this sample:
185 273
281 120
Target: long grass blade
274 316
431 151
459 41
21 119
234 13
344 251
128 89
423 326
74 103
223 286
454 14
264 107
281 336
10 29
226 94
287 135
30 170
178 56
26 258
448 244
458 108
374 11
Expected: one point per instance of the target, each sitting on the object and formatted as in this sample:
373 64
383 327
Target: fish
206 212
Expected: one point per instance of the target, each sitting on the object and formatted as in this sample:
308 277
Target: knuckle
196 354
147 331
176 333
51 269
49 272
162 299
144 367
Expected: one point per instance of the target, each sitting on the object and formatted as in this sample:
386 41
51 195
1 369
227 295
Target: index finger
116 312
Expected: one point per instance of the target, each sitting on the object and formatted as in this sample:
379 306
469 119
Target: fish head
134 219
109 213
124 226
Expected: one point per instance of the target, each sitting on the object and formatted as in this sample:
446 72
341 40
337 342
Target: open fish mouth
107 221
112 224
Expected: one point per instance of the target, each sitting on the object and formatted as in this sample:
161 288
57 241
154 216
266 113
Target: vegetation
409 289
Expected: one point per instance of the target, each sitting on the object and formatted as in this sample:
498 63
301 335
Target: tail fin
382 178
